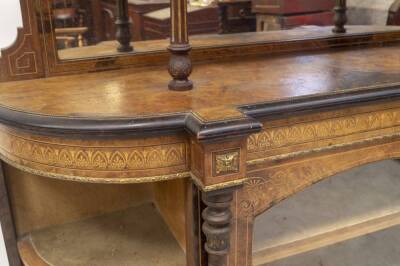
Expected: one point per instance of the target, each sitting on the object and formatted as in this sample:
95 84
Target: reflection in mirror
86 28
10 20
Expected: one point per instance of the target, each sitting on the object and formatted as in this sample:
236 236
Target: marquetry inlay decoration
94 158
261 192
266 187
226 162
325 129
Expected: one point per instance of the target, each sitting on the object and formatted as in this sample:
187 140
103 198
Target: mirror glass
86 28
10 20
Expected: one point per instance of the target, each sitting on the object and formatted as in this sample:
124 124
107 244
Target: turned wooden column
180 65
217 219
218 167
340 18
222 18
123 32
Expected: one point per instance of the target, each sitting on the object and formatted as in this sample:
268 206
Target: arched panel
269 186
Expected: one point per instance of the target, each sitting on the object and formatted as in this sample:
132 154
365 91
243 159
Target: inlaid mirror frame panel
23 59
34 53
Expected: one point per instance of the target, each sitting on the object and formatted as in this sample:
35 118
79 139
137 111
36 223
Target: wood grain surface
229 83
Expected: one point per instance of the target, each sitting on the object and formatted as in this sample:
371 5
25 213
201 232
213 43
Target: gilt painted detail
330 128
226 162
260 193
95 158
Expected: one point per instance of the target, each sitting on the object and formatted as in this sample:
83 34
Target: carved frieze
325 129
95 158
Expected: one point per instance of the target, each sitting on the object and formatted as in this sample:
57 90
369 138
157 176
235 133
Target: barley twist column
122 23
217 218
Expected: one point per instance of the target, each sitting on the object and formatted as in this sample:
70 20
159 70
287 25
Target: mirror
10 20
86 28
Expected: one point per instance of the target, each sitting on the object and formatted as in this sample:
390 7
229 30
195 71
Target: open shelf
136 236
352 204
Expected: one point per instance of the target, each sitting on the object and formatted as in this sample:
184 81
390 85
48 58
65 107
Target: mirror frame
34 54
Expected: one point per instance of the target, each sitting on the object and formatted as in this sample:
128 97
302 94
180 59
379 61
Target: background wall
365 12
10 19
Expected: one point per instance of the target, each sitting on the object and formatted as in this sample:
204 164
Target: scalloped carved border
318 130
23 60
94 160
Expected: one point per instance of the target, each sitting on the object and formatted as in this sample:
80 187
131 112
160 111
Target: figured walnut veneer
226 84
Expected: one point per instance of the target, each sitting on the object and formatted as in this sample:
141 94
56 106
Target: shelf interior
136 235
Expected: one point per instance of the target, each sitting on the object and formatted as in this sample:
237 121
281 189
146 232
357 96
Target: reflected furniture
394 14
136 10
286 14
235 16
111 154
69 19
75 32
201 20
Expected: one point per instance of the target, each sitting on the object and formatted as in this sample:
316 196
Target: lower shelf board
377 249
300 246
136 236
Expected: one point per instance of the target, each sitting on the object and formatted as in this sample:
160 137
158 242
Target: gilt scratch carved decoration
263 192
330 128
96 158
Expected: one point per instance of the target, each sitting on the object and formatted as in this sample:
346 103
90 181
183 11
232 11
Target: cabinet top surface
219 86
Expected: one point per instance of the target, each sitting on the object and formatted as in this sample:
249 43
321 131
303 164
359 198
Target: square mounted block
218 164
226 162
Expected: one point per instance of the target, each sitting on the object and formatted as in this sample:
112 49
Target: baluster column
340 18
217 219
180 65
122 23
